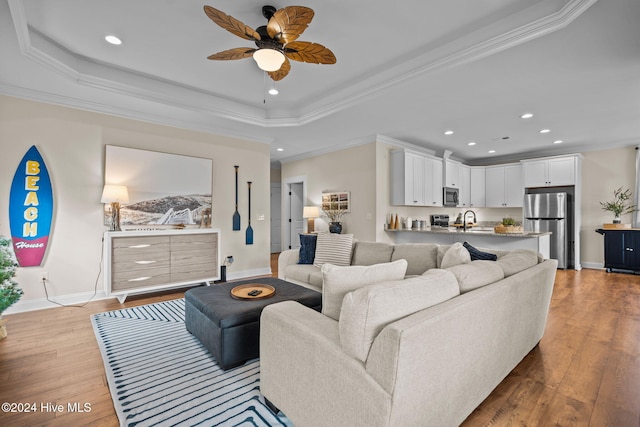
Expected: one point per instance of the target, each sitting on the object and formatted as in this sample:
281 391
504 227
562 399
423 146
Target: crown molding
117 111
495 38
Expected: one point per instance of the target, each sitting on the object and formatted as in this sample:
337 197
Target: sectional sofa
409 335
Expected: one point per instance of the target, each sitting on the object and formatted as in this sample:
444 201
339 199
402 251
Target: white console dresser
146 261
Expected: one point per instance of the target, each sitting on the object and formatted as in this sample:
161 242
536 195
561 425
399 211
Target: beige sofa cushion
517 261
366 311
420 256
333 248
476 274
456 254
338 281
369 253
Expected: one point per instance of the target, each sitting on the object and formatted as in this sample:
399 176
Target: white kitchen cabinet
464 194
550 172
504 186
407 178
416 179
433 182
452 173
476 187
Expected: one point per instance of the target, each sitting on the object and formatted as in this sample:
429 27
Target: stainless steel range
440 221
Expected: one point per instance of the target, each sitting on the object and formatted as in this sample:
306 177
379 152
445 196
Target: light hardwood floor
585 372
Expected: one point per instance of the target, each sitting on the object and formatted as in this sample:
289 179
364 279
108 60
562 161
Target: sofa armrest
303 371
286 258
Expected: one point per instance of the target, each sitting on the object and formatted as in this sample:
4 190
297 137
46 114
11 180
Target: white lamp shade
268 59
311 212
115 193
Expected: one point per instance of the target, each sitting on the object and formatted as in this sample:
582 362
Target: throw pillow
457 254
338 281
366 311
333 248
307 248
477 254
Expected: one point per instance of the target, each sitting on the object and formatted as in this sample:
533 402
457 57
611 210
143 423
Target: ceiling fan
276 42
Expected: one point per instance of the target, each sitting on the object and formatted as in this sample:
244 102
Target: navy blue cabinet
621 249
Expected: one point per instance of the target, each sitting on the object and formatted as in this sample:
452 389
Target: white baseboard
42 303
81 298
593 265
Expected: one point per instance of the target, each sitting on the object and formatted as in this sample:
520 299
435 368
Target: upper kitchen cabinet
433 181
416 179
504 186
452 174
477 187
407 178
551 172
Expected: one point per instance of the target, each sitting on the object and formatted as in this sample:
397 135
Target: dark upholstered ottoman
230 328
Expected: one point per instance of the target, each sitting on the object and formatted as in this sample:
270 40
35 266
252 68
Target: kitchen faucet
464 219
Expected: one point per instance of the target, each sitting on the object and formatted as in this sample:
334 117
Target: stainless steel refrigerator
548 212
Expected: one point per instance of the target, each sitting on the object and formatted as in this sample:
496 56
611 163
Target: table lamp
311 212
115 194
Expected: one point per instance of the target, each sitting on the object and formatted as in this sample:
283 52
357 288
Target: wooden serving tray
242 291
610 226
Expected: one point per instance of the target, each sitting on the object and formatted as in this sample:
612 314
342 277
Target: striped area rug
160 375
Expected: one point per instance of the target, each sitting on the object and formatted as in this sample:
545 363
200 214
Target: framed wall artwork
338 201
164 189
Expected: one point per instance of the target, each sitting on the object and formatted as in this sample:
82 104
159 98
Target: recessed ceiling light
273 91
279 149
471 143
448 132
557 141
492 151
113 39
526 116
545 130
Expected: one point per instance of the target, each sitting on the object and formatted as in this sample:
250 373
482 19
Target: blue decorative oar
249 236
236 214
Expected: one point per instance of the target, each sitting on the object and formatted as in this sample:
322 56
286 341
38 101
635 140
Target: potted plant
9 290
620 204
335 217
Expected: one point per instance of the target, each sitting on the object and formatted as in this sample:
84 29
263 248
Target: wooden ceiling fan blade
282 72
231 24
231 54
288 23
313 53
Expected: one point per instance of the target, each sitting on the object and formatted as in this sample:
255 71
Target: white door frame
286 205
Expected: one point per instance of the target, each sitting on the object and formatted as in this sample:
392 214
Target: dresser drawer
126 247
140 279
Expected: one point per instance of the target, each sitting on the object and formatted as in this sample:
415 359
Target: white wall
72 145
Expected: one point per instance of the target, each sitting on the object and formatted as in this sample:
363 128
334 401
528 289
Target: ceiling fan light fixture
269 59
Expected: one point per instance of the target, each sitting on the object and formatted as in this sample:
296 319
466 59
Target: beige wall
353 170
602 172
72 145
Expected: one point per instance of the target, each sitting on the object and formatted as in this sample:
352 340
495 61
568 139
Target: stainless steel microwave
450 196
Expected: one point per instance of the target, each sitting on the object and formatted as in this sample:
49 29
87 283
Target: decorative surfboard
31 209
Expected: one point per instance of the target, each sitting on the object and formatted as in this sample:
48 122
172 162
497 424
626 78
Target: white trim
593 265
42 303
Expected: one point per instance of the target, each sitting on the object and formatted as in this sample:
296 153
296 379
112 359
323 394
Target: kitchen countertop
477 231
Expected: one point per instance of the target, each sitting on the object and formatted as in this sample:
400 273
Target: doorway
293 197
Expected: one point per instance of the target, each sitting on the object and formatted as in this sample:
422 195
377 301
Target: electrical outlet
44 275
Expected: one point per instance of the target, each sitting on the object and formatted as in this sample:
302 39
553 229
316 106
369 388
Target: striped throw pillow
332 248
